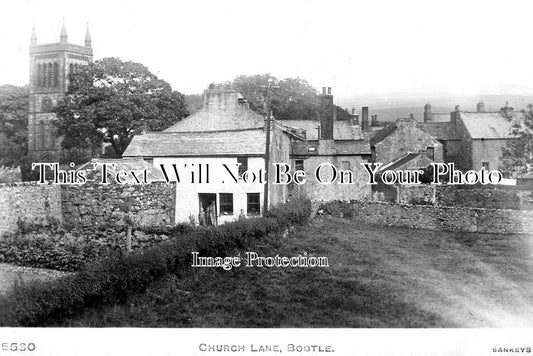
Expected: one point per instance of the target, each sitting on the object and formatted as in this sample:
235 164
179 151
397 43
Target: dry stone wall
435 217
28 202
115 204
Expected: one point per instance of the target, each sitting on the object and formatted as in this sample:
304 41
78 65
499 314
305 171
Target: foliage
112 280
292 98
110 100
194 102
517 156
14 106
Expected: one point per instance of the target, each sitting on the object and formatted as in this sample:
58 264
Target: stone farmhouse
226 135
471 140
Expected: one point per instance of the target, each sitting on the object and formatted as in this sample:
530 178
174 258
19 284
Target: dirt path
11 273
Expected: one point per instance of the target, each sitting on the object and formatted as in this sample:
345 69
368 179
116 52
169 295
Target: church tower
50 65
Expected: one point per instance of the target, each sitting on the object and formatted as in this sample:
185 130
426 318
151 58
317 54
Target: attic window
243 165
430 151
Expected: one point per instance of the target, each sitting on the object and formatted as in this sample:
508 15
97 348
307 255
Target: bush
115 278
52 246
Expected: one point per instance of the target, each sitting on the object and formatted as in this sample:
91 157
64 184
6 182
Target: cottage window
253 204
243 167
299 165
226 203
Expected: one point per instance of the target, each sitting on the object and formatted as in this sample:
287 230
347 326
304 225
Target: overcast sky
407 46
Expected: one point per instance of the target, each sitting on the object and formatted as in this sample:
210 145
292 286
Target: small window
430 151
485 165
226 203
243 167
345 165
299 165
253 204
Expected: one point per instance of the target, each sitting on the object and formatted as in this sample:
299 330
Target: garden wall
114 204
435 217
29 202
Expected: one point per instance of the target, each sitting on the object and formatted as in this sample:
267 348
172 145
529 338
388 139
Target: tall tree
517 157
14 105
294 99
110 100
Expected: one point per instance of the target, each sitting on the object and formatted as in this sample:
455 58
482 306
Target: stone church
50 65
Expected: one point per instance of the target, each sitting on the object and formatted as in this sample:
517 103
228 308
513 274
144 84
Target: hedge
55 247
115 278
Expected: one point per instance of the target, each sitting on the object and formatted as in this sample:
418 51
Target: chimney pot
364 118
323 90
329 90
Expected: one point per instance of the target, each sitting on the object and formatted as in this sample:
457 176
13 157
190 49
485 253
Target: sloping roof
239 118
383 133
409 161
124 164
179 144
342 148
342 130
440 130
487 125
441 117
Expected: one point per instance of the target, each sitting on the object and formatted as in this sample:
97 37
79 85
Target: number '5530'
18 346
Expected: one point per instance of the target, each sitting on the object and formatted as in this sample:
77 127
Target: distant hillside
394 113
388 107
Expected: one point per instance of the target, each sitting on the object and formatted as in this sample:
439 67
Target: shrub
113 279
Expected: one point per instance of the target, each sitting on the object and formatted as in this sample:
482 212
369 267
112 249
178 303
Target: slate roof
125 164
182 144
441 117
409 161
206 119
342 130
343 148
487 125
440 130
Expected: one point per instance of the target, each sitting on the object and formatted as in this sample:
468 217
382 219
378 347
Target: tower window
56 74
46 104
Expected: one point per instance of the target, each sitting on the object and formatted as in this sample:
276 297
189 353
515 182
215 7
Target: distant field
379 277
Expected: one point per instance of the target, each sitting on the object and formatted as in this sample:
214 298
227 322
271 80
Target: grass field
378 277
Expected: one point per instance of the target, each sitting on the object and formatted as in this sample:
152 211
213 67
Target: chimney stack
327 114
374 121
428 116
481 106
364 118
454 115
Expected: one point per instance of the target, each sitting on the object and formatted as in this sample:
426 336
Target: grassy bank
378 277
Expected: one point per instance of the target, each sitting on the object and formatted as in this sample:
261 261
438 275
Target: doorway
207 214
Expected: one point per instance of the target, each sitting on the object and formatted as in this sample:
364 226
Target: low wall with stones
435 217
28 202
115 204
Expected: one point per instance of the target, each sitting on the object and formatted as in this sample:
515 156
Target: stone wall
488 196
114 204
416 194
28 202
436 218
